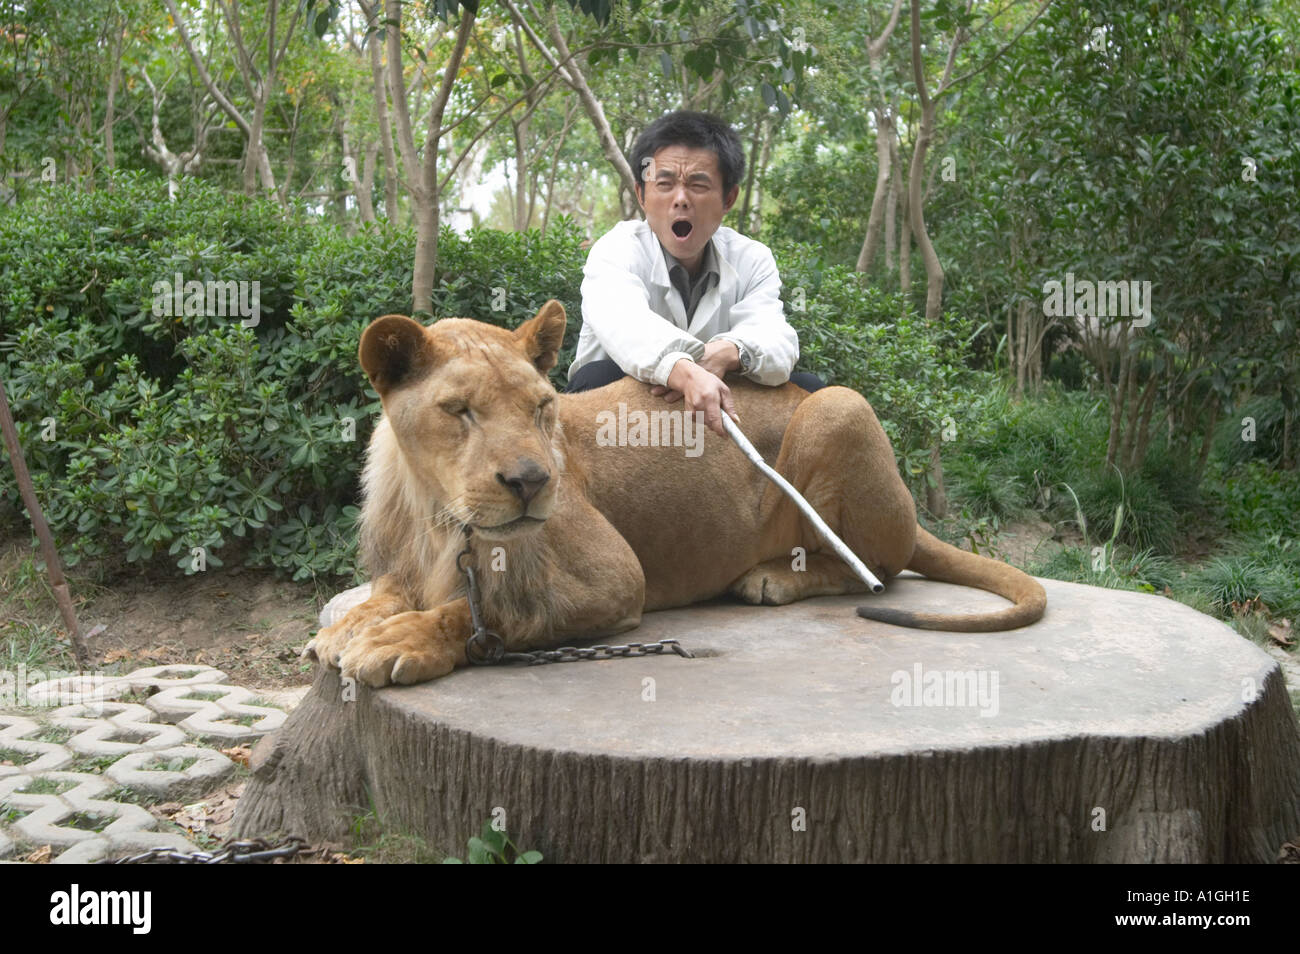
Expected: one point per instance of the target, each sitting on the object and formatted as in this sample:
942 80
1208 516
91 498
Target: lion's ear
394 351
543 334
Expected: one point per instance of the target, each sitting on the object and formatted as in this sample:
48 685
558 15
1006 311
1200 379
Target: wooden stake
57 583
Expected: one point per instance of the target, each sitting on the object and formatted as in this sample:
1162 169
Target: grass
245 720
16 757
29 633
206 694
10 814
88 821
95 765
178 764
1234 580
43 785
1043 456
121 793
379 841
53 733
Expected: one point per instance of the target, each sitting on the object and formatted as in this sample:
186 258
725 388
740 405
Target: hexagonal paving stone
70 690
176 674
49 755
210 769
44 825
123 845
124 727
204 717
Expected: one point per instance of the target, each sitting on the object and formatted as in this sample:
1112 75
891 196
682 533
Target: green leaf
478 852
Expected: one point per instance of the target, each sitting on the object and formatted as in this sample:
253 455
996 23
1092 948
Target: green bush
150 435
853 334
1253 498
1268 413
196 439
813 207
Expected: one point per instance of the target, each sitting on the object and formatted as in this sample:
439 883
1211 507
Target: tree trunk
522 211
905 241
379 91
936 494
571 72
1116 435
577 761
916 216
754 144
110 105
882 195
891 207
423 175
365 189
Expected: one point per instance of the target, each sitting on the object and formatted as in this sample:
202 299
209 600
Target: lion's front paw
403 649
328 644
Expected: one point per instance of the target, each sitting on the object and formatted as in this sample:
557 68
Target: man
679 301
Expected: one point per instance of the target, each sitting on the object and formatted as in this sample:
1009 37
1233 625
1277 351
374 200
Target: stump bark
1120 728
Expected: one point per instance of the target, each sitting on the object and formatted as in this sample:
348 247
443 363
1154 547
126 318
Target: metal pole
57 583
825 532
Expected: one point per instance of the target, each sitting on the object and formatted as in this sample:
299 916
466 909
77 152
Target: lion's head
473 414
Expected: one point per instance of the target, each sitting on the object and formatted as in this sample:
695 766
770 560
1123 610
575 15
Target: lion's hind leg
836 454
787 580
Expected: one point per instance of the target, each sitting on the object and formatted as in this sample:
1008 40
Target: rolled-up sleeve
616 306
758 322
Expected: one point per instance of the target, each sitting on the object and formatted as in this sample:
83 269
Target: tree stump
1122 727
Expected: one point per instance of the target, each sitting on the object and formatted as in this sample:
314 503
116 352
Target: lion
571 538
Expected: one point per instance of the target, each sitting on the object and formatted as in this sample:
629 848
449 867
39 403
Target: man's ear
730 199
543 334
394 351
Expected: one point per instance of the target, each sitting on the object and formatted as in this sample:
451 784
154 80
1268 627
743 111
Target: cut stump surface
1122 727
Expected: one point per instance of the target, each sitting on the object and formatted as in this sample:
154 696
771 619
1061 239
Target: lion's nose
526 480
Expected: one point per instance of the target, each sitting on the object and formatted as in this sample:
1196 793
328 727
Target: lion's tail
941 561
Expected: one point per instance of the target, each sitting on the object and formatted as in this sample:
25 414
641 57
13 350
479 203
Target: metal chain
248 851
487 648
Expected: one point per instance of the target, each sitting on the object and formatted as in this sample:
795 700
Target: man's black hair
695 131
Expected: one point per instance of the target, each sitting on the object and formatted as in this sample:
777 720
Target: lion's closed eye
457 409
545 412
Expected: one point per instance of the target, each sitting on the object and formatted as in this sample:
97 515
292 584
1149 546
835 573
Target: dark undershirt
691 289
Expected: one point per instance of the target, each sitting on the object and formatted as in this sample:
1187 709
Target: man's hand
703 390
720 358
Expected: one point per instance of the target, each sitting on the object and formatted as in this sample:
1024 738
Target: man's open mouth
682 228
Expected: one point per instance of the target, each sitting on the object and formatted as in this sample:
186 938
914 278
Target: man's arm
616 304
758 323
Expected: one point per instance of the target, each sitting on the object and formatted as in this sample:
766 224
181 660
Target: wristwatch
746 362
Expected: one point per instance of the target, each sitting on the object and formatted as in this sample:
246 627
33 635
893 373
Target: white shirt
632 314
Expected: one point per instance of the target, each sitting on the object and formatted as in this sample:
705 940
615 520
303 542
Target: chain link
487 648
248 851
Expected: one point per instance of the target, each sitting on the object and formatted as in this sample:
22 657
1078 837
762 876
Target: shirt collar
708 265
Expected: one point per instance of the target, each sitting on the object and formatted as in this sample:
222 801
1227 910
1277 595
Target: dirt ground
245 622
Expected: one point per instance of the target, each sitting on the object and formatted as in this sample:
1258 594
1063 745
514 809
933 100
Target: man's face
683 201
